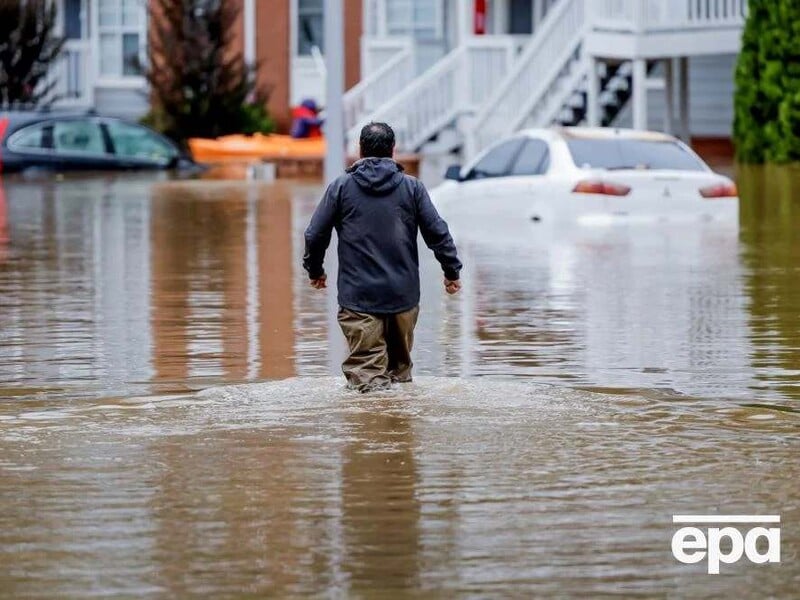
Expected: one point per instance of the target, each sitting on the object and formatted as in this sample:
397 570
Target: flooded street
170 423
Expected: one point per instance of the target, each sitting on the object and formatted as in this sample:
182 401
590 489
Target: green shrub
256 119
767 97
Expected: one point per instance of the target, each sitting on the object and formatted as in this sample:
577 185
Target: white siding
307 81
710 98
128 103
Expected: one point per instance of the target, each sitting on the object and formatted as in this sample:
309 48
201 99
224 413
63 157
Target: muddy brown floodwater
171 424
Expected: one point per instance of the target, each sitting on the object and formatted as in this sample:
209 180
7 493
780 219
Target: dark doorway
72 19
520 17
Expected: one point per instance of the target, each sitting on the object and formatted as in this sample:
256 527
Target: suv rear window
631 154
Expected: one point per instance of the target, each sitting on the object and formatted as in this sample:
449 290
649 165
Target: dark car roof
17 119
20 118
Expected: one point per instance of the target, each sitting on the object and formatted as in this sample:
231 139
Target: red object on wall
479 21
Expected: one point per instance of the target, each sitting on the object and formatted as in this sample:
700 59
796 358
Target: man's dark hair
377 140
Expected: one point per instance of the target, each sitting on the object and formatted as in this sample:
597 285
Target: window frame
413 28
298 13
469 176
118 30
697 161
83 21
544 162
105 124
10 142
52 150
109 153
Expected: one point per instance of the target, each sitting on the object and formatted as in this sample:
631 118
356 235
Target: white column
639 93
500 10
593 95
334 66
93 59
464 20
368 15
683 98
334 139
669 96
249 18
382 30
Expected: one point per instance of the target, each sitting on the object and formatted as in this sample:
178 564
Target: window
533 159
73 26
34 137
132 141
631 154
309 26
420 18
119 24
65 137
78 137
497 162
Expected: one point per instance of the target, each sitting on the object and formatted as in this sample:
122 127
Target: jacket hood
377 176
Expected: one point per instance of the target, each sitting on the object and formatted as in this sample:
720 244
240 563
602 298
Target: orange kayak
255 147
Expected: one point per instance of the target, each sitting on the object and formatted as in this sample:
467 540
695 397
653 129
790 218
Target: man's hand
319 283
451 287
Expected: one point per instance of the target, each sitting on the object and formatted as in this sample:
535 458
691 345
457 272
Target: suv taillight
720 190
598 186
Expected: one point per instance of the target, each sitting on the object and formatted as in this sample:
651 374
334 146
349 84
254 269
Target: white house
100 65
107 43
453 73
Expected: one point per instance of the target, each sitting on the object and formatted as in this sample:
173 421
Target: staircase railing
457 84
377 50
391 68
666 15
531 80
383 84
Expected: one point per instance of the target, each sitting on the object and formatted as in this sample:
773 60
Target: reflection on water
129 286
771 240
654 308
112 284
119 298
380 504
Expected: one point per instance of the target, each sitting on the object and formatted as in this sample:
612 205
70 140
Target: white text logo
692 544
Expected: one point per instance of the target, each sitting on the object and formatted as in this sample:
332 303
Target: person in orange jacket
305 120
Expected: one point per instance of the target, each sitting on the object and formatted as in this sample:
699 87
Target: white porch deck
627 29
652 29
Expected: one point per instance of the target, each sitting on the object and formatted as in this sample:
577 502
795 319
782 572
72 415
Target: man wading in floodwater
377 211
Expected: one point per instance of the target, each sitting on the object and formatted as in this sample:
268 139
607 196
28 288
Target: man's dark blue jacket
377 211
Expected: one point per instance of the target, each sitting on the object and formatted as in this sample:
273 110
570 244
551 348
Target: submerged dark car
59 141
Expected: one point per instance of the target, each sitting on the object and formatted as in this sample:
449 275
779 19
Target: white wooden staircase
488 87
420 108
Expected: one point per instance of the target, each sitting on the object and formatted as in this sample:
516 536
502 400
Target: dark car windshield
631 154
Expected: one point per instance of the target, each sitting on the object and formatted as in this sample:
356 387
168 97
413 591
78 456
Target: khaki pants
380 348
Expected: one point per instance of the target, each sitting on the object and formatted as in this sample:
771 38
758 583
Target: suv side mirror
453 172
